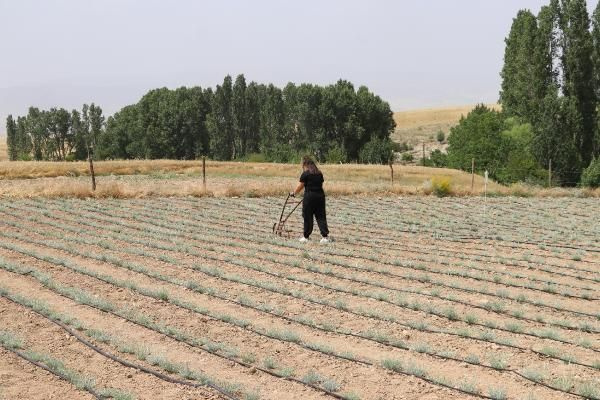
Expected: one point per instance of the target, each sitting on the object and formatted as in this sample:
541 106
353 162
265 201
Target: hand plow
280 228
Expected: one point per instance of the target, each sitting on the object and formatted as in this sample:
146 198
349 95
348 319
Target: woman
311 181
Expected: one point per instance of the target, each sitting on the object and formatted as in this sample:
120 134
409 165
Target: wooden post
90 153
204 172
423 153
550 173
392 171
472 175
92 173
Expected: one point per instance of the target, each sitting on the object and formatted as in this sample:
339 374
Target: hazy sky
413 53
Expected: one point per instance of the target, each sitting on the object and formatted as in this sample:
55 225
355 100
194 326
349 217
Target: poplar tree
220 122
579 76
522 84
11 138
239 110
23 139
596 63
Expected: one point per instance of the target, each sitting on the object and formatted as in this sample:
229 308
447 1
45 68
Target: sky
413 53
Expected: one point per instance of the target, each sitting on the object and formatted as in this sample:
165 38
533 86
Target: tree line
551 80
235 121
550 96
55 134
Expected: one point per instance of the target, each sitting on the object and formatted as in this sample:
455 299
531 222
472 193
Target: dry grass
421 126
3 149
183 178
165 169
164 178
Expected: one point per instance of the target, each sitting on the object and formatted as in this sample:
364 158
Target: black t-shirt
312 182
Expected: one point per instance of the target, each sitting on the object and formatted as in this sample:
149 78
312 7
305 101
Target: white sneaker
324 240
303 240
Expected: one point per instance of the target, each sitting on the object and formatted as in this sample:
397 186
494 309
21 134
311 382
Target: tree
239 110
552 138
37 128
274 142
11 138
23 140
253 118
60 137
596 64
478 135
591 175
96 123
579 75
377 151
220 122
124 136
79 136
333 122
521 165
522 84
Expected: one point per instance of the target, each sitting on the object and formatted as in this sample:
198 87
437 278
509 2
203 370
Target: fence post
423 154
485 194
472 175
550 173
392 171
90 158
204 172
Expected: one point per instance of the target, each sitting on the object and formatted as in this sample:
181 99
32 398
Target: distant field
421 126
3 149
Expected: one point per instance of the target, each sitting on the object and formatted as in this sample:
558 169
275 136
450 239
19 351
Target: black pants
314 207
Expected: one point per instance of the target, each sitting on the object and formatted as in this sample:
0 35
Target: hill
421 126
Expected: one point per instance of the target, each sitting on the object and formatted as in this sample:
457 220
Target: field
194 298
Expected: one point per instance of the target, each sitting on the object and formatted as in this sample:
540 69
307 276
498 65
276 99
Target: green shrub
25 157
283 153
336 155
591 175
376 151
438 159
256 158
441 136
408 157
400 147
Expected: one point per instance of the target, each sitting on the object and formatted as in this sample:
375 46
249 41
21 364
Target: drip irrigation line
406 248
323 286
171 336
332 394
551 387
392 264
385 273
479 269
560 341
471 237
369 362
55 373
483 325
125 362
337 332
508 226
387 263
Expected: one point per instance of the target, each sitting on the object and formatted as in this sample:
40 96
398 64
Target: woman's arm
298 189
